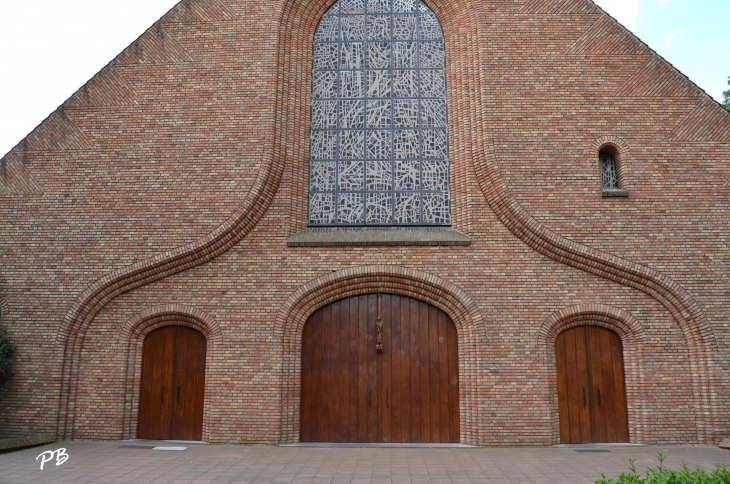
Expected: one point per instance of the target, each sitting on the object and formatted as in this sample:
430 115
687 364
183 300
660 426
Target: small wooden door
173 385
352 392
591 390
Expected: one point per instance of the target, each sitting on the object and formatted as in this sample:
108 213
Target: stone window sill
614 192
377 236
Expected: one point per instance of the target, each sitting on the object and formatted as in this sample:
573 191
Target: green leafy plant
726 94
7 355
664 475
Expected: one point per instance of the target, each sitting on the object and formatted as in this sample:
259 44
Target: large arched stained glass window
379 144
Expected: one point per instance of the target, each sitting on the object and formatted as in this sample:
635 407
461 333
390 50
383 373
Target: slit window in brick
609 169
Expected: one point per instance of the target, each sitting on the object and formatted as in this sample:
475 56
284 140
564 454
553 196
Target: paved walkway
117 462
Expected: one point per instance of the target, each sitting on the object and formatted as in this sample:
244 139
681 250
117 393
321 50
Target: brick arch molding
633 340
470 135
622 154
132 336
388 279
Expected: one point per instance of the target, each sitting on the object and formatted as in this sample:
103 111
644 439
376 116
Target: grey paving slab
114 462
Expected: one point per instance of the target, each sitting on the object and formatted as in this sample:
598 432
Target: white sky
50 48
622 10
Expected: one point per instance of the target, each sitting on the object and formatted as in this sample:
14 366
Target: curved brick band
471 140
398 280
633 340
82 312
132 336
683 307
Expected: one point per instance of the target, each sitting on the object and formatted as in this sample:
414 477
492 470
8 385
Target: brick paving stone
109 462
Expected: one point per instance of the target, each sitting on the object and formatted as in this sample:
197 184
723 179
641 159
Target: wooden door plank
564 405
443 364
364 408
577 402
336 395
306 418
397 362
406 367
178 423
619 386
603 384
614 397
321 335
385 363
434 375
582 368
374 414
454 409
424 362
352 369
155 410
595 364
609 393
199 385
417 407
188 384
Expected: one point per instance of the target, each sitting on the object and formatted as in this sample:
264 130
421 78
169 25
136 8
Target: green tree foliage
7 354
664 475
726 103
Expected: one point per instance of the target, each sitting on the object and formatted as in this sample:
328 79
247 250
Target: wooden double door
379 368
591 389
173 385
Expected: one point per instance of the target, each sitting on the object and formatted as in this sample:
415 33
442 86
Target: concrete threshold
377 445
162 442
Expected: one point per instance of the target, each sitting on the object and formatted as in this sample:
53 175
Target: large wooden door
173 384
406 392
591 390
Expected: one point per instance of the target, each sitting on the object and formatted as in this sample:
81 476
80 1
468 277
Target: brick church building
494 222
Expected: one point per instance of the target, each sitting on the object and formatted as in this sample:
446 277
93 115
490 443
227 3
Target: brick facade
165 190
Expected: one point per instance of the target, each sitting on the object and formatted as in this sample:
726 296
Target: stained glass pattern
379 143
609 173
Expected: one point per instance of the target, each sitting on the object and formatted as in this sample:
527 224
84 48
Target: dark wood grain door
406 392
591 389
173 385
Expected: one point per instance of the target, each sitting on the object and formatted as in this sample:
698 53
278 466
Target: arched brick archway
132 336
633 339
466 27
397 280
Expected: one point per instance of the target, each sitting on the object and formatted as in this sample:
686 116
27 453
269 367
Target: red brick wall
165 191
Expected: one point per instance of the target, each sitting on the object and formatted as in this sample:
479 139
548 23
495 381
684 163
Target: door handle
585 396
162 395
386 398
369 402
179 388
599 396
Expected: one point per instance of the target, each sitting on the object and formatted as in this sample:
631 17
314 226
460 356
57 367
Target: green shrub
7 354
663 475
